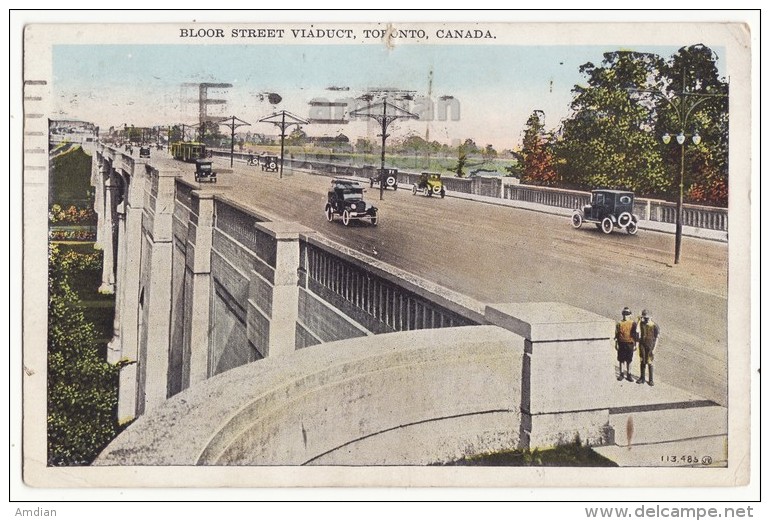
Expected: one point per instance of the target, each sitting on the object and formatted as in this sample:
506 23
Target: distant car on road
388 176
269 163
204 172
144 152
346 199
429 184
608 209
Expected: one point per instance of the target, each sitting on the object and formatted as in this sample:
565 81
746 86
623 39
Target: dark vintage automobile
388 176
429 184
269 163
204 172
144 152
346 199
608 209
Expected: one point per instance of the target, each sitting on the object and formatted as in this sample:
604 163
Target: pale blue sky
497 86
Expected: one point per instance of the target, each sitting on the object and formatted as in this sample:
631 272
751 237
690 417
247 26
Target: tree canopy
82 388
612 139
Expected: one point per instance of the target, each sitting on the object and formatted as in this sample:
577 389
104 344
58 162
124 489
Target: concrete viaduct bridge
250 340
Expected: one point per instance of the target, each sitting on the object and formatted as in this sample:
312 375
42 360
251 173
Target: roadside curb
668 228
687 231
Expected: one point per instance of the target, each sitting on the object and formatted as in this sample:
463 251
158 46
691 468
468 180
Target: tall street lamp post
681 138
683 105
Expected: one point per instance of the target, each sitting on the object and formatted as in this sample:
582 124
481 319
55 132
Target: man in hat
648 340
625 340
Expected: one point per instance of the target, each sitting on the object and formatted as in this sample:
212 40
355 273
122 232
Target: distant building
327 112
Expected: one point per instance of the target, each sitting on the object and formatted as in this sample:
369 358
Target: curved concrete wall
409 398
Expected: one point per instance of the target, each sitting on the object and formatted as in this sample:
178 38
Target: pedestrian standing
649 332
625 341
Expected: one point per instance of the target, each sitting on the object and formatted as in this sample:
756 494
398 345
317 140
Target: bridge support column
105 238
117 193
567 373
198 289
283 298
154 299
131 240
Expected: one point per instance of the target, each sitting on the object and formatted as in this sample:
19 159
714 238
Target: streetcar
188 151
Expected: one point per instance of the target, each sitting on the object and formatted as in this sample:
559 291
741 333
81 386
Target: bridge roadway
500 254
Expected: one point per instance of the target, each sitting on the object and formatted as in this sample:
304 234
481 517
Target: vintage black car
608 209
346 199
144 152
269 163
388 176
429 184
204 172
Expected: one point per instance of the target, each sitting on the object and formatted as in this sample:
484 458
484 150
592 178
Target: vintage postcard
388 254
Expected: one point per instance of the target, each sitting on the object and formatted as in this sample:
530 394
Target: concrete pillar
127 297
283 291
567 377
132 239
115 347
198 289
97 182
155 292
105 236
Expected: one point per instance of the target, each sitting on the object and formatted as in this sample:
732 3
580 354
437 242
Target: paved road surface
499 254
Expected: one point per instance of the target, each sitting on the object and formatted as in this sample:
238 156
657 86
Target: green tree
537 158
693 70
607 142
211 134
297 137
489 153
469 147
364 146
82 388
414 144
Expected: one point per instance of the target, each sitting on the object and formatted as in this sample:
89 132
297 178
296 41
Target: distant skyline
495 87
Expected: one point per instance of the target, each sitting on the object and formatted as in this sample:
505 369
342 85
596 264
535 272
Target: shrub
82 388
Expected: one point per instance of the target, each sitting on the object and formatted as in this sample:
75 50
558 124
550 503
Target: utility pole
283 120
233 126
388 115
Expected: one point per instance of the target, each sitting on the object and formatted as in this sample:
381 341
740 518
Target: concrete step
657 423
706 452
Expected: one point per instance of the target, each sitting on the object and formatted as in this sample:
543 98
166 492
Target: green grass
569 455
70 178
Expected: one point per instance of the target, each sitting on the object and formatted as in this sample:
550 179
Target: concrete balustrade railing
696 216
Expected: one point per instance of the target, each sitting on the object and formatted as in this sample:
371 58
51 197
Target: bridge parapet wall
407 398
410 398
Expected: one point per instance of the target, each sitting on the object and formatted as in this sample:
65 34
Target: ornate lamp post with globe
681 139
683 104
